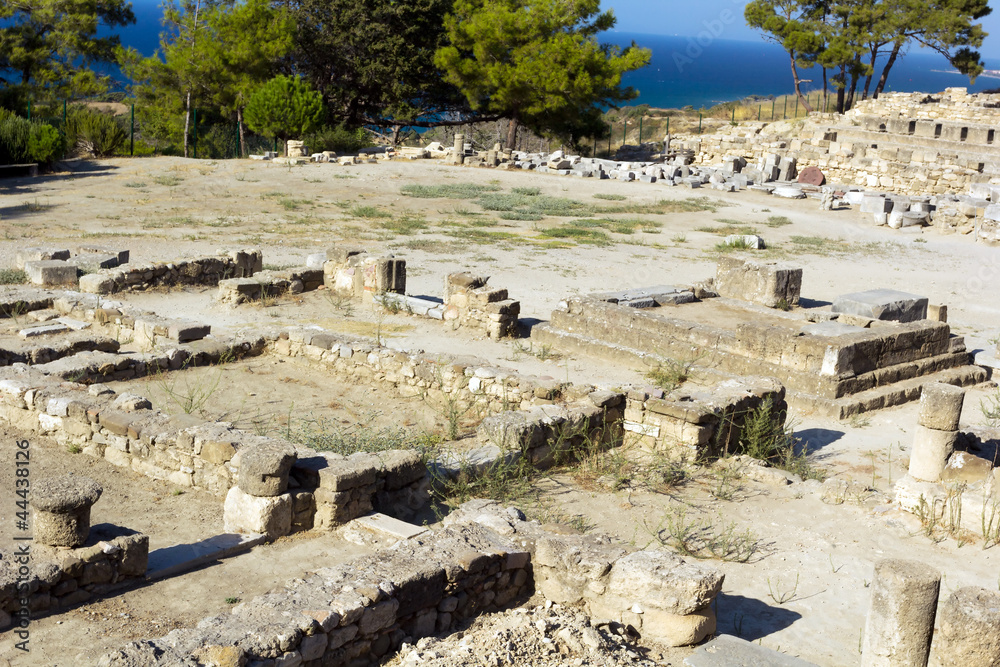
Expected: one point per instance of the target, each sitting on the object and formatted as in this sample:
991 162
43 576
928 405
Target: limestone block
244 513
941 406
62 509
901 615
97 283
659 579
968 633
931 449
766 283
967 468
567 564
50 272
883 304
90 262
264 468
25 255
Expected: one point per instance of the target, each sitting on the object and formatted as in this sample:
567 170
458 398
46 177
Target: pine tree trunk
512 134
798 89
885 70
243 139
187 121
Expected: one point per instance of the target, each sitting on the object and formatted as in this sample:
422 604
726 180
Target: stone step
886 396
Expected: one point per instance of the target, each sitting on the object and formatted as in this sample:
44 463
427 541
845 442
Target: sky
723 19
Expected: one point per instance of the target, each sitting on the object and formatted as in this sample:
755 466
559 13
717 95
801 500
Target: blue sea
684 71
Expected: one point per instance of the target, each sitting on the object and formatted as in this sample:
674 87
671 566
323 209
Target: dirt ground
804 591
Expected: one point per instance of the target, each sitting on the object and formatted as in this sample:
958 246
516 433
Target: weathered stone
968 632
245 513
62 509
901 616
767 283
264 468
50 272
941 406
883 304
931 449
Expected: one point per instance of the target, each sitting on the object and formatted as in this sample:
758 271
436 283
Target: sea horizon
693 71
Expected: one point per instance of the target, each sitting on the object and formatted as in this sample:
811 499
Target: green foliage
285 107
96 133
847 36
51 45
669 373
339 139
13 277
23 140
212 56
537 62
448 190
373 59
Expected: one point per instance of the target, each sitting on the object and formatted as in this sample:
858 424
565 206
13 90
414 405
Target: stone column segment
62 509
901 616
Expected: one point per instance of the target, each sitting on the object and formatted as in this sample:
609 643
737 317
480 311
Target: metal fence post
699 122
640 130
29 109
131 140
195 125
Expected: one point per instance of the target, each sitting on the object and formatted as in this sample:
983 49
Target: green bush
23 140
285 107
96 133
338 139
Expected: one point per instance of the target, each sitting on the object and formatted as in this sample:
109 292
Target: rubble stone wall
355 613
910 143
330 489
59 578
198 271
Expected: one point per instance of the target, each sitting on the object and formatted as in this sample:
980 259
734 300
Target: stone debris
547 634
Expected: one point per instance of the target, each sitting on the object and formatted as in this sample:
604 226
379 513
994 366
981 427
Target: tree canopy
285 107
48 47
847 37
373 60
211 52
537 63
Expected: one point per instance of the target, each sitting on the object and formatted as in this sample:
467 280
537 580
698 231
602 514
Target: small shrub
13 277
339 139
669 373
95 133
23 140
448 190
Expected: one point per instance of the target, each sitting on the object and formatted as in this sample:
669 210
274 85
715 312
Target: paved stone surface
728 651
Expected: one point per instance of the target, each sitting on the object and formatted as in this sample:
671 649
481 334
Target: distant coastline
684 72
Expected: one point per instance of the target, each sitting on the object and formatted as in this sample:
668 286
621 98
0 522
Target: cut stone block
97 283
767 283
92 262
25 255
44 330
50 272
184 331
751 241
386 526
883 304
264 468
122 255
789 192
244 513
174 560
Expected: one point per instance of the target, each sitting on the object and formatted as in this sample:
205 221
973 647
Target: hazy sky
724 19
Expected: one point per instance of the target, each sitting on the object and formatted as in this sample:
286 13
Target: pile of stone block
485 559
70 564
469 301
198 271
260 502
265 284
352 272
52 267
657 593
